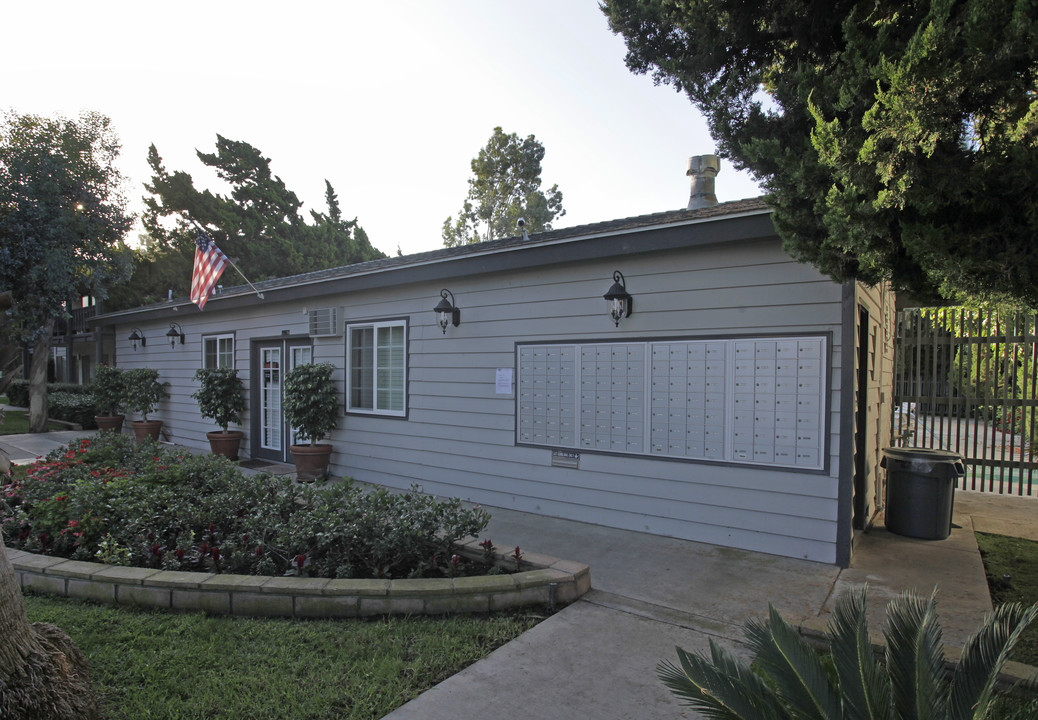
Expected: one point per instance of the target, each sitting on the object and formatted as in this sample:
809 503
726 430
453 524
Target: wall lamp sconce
446 312
136 336
620 301
174 332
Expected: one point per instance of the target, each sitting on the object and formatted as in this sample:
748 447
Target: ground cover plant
1011 565
187 666
113 500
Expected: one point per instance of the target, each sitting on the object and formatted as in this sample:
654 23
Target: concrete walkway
597 657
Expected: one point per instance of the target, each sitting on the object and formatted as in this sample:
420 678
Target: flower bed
111 500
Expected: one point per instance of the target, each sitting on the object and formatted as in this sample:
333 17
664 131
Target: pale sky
388 100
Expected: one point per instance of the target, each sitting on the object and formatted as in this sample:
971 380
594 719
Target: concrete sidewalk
597 657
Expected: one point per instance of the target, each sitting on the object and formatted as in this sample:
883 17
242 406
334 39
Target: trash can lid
927 454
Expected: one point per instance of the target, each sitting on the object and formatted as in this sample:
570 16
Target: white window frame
216 339
375 409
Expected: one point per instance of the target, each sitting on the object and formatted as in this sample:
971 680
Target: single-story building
742 402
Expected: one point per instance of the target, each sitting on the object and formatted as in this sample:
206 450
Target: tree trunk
42 674
38 381
10 352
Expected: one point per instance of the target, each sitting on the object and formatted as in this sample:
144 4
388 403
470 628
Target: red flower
259 550
180 554
300 561
216 553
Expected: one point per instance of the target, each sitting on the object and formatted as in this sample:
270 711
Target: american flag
209 265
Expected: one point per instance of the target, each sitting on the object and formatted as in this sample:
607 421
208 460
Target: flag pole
258 293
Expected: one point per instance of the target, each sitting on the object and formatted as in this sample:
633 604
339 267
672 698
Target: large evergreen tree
260 225
505 186
896 140
62 219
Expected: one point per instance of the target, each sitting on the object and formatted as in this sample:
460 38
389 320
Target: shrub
72 388
109 391
144 392
149 506
787 679
311 405
18 393
221 396
73 407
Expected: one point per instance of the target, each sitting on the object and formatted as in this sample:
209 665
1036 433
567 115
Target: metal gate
966 380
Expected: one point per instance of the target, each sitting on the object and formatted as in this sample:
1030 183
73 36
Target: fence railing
967 381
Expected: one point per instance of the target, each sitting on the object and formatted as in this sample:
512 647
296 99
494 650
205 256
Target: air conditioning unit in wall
324 322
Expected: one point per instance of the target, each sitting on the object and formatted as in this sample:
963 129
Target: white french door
271 360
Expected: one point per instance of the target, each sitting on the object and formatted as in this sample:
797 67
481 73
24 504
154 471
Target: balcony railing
77 324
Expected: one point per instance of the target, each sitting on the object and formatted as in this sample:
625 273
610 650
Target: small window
218 351
376 357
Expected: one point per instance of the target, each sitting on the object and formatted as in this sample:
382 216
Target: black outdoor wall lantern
620 301
174 332
446 312
136 336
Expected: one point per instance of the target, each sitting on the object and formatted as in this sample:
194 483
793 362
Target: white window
218 351
376 373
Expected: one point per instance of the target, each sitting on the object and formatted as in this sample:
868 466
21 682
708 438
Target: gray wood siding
459 436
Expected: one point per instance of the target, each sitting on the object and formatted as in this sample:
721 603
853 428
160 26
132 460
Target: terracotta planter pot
109 423
225 443
146 429
311 461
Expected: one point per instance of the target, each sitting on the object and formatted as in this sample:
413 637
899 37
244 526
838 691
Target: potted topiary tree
109 395
143 394
312 409
221 397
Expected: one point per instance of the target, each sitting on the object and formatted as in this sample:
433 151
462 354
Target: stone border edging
1015 679
550 581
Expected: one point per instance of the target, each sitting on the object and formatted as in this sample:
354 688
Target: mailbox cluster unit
738 400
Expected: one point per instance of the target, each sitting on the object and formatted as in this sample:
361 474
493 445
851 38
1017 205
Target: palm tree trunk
42 674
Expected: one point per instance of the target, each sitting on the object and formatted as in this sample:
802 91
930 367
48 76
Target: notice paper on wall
503 381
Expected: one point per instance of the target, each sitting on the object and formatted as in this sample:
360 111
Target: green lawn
16 422
158 665
1018 559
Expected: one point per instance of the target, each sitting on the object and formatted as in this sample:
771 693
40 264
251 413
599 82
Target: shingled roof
750 206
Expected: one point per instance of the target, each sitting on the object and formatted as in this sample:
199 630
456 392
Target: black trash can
921 491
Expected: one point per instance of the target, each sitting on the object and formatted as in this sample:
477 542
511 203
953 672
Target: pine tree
895 140
505 186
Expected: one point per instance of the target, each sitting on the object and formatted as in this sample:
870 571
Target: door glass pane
270 399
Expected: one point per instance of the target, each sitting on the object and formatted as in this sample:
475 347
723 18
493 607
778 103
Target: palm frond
915 657
799 677
983 656
864 685
721 687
